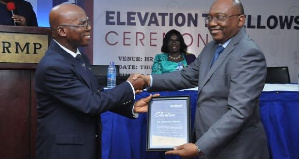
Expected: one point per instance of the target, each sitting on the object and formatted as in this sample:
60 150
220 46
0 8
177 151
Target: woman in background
173 54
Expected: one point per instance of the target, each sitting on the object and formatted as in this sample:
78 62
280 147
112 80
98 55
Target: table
126 138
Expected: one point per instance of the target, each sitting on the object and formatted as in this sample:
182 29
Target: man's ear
61 31
242 19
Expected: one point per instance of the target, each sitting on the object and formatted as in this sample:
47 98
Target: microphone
11 7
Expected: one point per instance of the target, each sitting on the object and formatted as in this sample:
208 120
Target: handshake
139 82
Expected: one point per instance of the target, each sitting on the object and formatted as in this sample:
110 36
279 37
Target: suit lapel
69 58
208 72
205 63
82 72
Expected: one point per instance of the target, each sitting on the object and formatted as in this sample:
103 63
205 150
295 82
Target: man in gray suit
227 120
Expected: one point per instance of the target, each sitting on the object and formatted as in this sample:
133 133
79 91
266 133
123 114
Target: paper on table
281 87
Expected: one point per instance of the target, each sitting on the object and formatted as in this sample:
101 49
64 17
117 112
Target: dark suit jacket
23 8
227 118
69 106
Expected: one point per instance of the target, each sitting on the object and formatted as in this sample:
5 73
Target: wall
122 32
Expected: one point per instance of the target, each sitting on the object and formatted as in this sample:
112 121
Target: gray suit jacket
227 118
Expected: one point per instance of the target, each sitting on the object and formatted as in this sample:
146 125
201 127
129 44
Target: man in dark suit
227 118
68 96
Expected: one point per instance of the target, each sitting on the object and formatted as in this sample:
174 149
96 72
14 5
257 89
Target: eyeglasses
219 18
85 24
173 41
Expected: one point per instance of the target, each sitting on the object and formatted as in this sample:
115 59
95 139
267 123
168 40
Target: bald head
70 26
64 14
236 4
239 6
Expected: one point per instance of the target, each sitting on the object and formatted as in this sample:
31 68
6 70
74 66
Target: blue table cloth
126 138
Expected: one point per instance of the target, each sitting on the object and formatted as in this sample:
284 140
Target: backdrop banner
130 32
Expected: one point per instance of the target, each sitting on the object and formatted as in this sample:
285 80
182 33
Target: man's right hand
138 81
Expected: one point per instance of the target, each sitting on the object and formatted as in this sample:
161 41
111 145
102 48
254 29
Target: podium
18 101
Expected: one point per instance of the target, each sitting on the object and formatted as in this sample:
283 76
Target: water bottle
179 66
111 75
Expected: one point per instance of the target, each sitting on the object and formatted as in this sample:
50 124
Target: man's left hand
141 106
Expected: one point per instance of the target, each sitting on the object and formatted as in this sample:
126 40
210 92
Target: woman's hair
183 46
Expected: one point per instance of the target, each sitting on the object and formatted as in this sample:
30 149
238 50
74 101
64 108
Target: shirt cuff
151 80
135 115
132 89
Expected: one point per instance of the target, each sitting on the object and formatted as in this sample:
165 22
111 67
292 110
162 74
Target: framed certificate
168 123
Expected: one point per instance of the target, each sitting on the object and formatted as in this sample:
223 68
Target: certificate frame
169 123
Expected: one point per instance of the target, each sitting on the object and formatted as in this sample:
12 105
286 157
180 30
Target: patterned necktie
80 60
219 50
88 72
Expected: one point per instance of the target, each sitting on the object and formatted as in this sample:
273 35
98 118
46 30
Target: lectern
20 50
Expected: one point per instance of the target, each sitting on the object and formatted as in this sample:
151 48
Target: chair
278 75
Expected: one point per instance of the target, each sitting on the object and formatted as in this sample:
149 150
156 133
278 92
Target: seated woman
173 52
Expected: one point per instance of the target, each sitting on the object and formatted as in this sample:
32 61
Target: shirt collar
69 51
226 43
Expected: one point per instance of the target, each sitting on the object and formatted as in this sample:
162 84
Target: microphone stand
12 12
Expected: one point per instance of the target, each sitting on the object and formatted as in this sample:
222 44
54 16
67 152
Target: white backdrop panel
130 32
